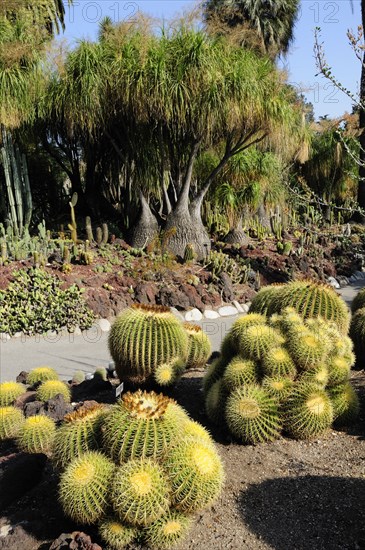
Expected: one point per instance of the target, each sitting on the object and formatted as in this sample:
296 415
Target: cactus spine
199 346
11 420
9 392
49 389
141 425
84 487
140 492
36 435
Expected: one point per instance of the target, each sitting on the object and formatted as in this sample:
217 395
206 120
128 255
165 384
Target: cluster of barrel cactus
357 327
281 373
309 298
149 344
139 469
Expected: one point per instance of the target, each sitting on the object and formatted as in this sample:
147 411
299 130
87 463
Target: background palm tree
272 21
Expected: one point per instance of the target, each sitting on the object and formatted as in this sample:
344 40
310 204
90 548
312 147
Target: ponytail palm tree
163 100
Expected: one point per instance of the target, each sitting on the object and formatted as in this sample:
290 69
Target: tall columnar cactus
141 425
36 435
79 433
73 225
9 392
11 421
85 486
142 338
140 492
309 298
199 346
17 185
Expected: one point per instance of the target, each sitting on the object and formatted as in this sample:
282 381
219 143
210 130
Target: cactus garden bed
265 488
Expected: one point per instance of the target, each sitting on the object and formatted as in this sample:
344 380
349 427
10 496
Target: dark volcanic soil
284 495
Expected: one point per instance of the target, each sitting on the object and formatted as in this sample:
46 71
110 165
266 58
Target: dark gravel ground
286 495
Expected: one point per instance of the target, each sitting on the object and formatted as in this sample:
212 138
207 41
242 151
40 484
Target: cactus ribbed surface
140 492
277 362
253 415
309 411
116 534
142 338
85 487
357 334
241 325
213 373
309 298
167 531
49 389
41 374
215 401
199 346
196 475
141 425
11 421
278 387
307 349
79 433
345 403
36 435
9 392
257 340
339 371
240 371
359 301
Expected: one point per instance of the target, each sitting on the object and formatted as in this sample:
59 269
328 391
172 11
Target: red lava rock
22 377
74 541
25 398
145 293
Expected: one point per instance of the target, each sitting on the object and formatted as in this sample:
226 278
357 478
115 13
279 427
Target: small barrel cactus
196 475
79 433
85 486
252 414
309 411
189 253
9 392
199 346
142 338
36 435
116 534
140 492
257 340
240 371
41 374
345 403
141 425
11 420
49 389
167 530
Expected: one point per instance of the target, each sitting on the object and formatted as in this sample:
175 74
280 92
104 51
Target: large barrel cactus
144 337
309 298
357 333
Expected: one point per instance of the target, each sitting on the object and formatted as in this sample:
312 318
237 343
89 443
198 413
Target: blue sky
334 18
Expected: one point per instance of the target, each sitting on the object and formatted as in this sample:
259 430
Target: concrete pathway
88 351
70 353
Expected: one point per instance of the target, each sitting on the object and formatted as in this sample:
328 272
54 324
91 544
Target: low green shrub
35 303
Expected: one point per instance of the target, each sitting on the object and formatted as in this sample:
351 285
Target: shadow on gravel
307 512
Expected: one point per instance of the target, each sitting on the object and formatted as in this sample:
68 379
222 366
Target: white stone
77 331
210 314
4 336
227 311
333 282
246 307
193 315
177 313
17 335
104 324
5 530
238 306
